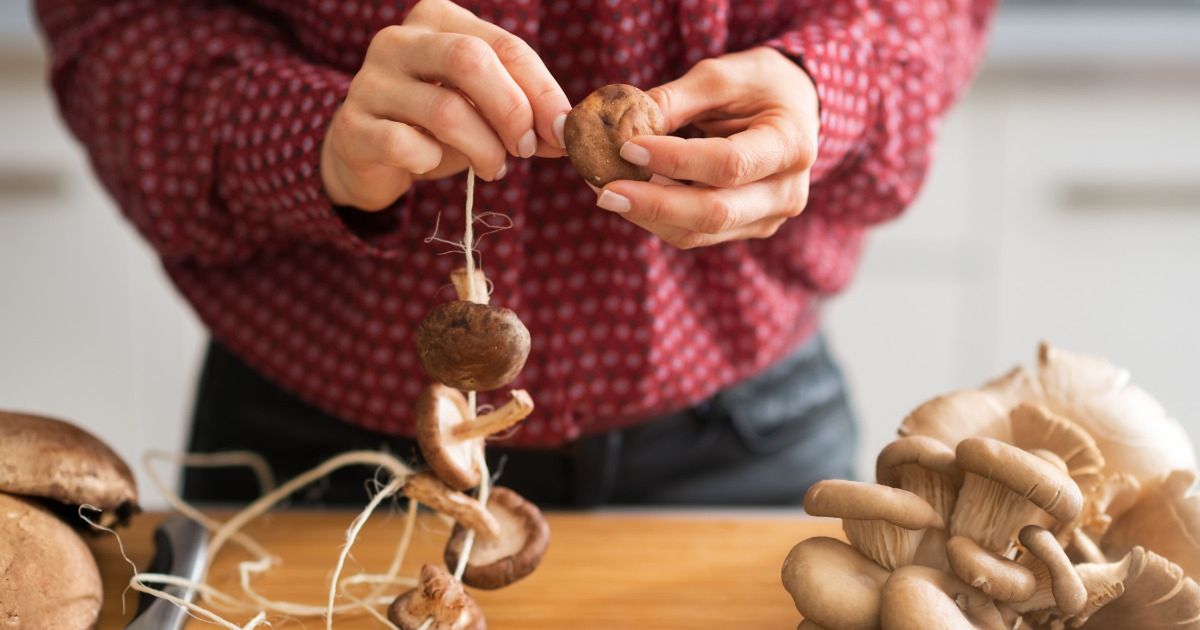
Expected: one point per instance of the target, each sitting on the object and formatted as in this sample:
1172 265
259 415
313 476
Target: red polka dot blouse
204 120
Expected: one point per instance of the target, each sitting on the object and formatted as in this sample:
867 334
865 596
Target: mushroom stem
519 405
1087 548
890 545
463 290
426 488
1058 584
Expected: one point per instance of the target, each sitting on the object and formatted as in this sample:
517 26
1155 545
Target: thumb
703 88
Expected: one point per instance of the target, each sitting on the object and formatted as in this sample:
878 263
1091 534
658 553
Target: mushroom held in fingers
440 598
1165 520
452 442
56 460
886 524
425 488
1058 584
833 585
995 576
1005 489
472 347
48 578
496 562
921 598
600 124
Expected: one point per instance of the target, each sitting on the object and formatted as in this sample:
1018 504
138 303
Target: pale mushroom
1058 584
472 346
1130 427
951 418
498 561
48 577
993 575
921 598
56 460
450 441
440 598
1165 520
924 467
1157 596
1036 427
833 585
1005 489
425 488
886 524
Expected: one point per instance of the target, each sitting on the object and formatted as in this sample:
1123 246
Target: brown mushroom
425 488
921 598
833 585
450 441
472 347
886 524
1165 520
600 124
1005 489
438 596
48 577
993 575
52 459
1058 584
924 467
496 562
809 625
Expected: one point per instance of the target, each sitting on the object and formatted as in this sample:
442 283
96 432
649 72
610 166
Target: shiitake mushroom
598 126
472 347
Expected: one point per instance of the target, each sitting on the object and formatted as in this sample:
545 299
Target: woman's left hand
759 113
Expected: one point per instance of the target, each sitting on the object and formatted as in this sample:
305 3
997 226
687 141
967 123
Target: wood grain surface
654 570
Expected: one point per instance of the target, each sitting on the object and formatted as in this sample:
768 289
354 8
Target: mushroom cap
1070 595
855 500
1026 474
1035 427
995 576
439 409
524 536
440 596
48 577
472 347
1165 520
921 598
920 450
53 459
834 585
1157 595
603 121
1130 427
953 417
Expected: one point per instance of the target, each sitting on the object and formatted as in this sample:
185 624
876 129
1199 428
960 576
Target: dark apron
761 442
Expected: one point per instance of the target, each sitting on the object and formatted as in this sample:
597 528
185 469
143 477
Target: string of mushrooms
1042 500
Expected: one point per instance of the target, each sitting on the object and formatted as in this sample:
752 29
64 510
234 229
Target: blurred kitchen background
1065 205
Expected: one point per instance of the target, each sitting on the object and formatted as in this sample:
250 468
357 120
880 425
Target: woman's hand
759 112
436 93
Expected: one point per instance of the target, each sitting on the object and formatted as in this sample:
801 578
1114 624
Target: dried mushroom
451 441
472 347
497 561
427 489
600 124
440 598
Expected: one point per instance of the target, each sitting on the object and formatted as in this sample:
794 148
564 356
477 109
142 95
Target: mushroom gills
992 515
889 545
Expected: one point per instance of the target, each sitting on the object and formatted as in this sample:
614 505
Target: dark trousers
761 442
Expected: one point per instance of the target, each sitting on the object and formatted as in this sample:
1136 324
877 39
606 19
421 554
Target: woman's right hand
440 91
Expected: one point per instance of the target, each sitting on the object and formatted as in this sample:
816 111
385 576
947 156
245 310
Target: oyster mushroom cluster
469 345
1044 500
48 468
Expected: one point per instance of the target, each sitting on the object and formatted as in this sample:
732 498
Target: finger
770 146
453 162
446 115
688 239
706 210
543 92
703 88
391 143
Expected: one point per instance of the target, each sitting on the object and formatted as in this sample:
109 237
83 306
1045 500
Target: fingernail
528 144
613 202
502 172
635 154
560 126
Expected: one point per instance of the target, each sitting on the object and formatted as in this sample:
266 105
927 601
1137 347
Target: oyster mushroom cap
921 598
1165 520
924 467
1058 584
993 575
48 577
515 553
1035 427
439 411
1157 595
833 585
472 346
1130 427
1007 488
954 417
440 597
52 459
886 524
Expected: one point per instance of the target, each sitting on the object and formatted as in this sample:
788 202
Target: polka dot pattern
205 119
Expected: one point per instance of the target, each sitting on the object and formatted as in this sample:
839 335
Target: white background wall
1065 205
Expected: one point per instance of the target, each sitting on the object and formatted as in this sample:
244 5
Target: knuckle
422 9
736 168
446 110
688 240
720 217
468 55
769 229
511 49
